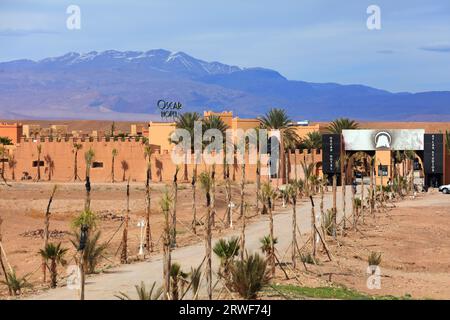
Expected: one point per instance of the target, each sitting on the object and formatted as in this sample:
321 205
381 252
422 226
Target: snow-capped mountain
127 85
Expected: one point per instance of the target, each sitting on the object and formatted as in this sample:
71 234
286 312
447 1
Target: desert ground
413 237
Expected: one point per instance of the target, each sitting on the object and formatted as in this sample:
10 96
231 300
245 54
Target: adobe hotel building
431 163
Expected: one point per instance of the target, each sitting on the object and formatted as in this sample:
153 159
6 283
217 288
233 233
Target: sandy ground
23 205
414 239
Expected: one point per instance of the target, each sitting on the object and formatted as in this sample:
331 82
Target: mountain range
126 85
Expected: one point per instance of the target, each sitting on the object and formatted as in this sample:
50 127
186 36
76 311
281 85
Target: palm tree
39 151
12 163
248 276
50 167
15 283
410 156
173 238
46 227
88 158
277 119
268 193
124 165
114 154
54 254
3 155
313 142
226 251
148 234
340 124
124 254
93 251
143 293
75 148
165 204
308 171
344 162
187 121
177 279
206 183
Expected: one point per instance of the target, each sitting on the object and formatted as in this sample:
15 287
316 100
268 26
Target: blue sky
310 40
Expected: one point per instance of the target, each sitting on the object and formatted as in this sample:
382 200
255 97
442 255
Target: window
35 163
97 164
383 170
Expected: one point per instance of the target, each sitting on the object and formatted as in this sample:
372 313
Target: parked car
445 189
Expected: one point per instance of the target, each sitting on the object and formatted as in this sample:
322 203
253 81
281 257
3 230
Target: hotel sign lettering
169 109
434 153
331 153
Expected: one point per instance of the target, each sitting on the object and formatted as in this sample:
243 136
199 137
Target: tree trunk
124 254
208 250
343 200
334 206
173 238
362 197
313 228
39 167
258 183
242 189
2 264
166 257
242 244
46 231
75 167
372 193
194 208
54 274
112 170
148 233
272 244
294 233
228 191
213 196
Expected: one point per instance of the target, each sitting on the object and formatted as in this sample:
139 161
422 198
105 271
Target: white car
445 189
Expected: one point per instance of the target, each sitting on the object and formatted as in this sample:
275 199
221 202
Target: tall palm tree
55 255
187 121
148 198
308 171
340 124
114 154
165 204
88 158
206 184
39 151
410 156
75 148
268 193
12 163
173 236
124 254
46 232
277 119
3 156
213 122
313 142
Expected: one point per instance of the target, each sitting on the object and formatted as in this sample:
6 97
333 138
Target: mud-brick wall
62 155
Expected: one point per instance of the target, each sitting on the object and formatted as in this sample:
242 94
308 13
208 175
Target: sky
308 40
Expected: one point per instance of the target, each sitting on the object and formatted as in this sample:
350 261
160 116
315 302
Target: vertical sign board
331 148
434 153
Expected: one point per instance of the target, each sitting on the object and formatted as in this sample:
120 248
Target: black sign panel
331 148
434 153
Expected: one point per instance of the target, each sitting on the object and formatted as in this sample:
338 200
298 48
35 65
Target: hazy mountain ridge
115 84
